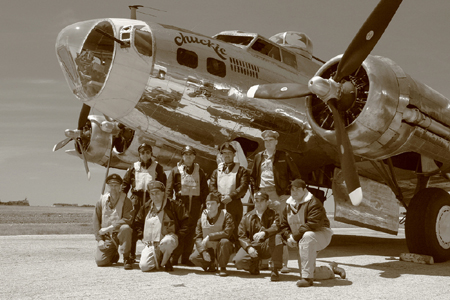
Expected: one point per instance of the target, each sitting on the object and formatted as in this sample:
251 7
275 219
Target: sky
37 105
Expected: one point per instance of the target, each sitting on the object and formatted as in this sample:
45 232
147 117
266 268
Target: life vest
111 215
226 183
190 183
208 228
153 226
144 176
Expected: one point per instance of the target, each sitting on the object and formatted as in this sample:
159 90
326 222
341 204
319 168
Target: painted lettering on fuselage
188 39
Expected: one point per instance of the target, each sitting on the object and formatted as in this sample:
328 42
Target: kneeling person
212 237
304 225
259 239
160 223
112 219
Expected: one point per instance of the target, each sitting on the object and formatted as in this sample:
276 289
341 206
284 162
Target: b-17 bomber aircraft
356 124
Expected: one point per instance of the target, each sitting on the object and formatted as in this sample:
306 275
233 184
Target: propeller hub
72 133
325 89
110 127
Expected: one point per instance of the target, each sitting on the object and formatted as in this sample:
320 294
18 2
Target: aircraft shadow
390 248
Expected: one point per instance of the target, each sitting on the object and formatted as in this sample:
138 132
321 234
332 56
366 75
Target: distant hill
23 202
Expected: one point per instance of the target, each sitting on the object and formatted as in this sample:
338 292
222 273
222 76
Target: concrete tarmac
63 267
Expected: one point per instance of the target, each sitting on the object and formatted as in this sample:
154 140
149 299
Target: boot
274 276
305 282
127 263
254 267
223 272
168 266
337 270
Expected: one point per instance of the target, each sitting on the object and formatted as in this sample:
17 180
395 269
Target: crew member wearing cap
212 237
259 239
112 219
231 181
160 223
138 177
273 170
188 181
304 224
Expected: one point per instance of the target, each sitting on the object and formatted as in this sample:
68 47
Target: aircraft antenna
133 9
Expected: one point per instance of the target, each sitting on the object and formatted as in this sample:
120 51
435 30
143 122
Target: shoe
168 267
115 258
128 264
174 261
254 267
285 269
133 257
223 272
305 282
337 270
274 276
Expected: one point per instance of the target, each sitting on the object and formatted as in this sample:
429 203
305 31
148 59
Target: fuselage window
187 58
216 67
143 42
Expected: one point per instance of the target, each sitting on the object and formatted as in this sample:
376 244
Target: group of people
183 219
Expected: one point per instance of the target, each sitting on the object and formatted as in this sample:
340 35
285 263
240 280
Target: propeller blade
86 167
367 37
84 113
346 156
278 91
61 144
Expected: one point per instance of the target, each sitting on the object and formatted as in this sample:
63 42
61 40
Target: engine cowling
391 114
96 138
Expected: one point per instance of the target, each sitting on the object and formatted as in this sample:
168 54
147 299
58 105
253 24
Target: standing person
112 219
160 223
259 239
137 178
212 237
231 181
188 181
304 224
273 170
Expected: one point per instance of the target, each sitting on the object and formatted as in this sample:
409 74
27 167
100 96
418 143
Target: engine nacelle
97 136
384 119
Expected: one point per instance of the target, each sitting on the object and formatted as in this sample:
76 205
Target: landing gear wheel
427 226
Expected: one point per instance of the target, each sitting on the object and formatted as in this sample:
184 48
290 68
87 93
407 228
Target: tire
427 226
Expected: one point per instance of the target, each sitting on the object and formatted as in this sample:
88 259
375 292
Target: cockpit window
143 42
234 39
267 48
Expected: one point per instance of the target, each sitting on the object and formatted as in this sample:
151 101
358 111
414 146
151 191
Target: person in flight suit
188 181
213 237
160 223
112 219
259 239
137 177
231 181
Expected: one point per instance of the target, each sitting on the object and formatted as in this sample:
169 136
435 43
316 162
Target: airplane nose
85 56
107 63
